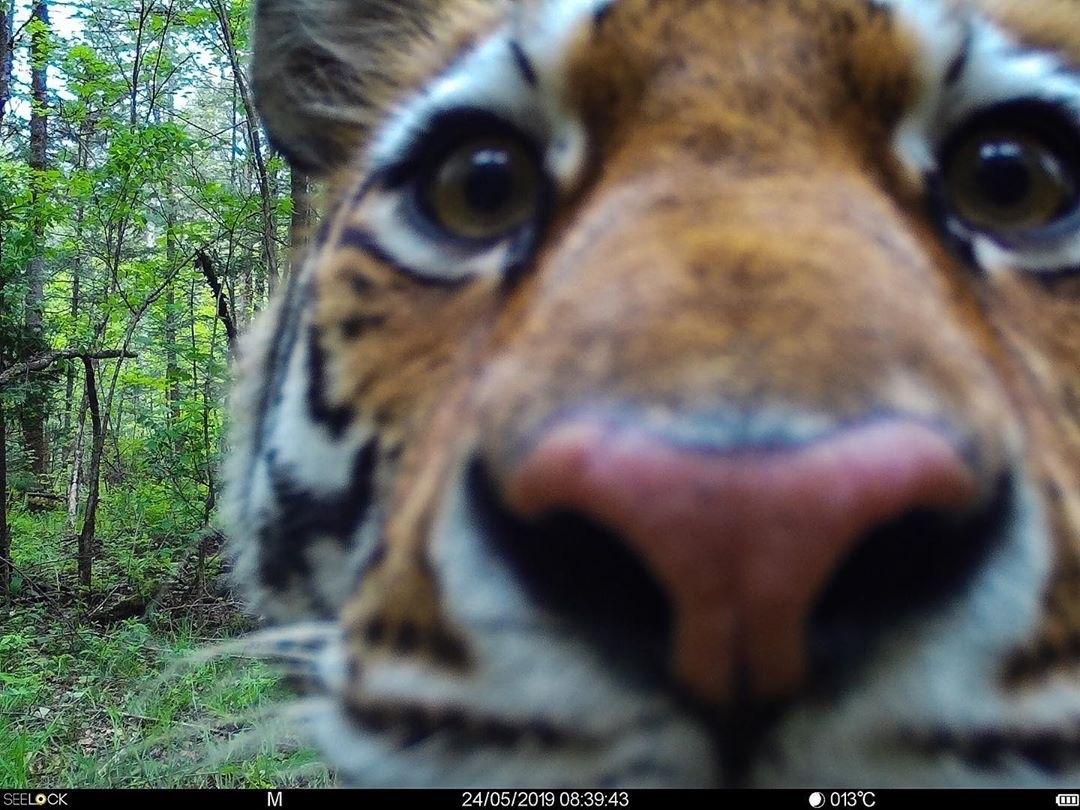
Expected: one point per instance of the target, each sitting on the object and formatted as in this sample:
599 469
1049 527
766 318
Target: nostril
907 565
576 568
744 540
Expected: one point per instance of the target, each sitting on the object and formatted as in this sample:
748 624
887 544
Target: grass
90 703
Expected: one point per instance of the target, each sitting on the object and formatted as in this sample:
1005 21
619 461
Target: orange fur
746 241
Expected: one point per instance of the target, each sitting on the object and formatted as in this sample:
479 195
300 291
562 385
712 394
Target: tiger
672 394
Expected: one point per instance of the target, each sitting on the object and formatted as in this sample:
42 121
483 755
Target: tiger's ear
317 66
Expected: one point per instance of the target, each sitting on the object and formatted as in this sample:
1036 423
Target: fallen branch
43 361
59 611
45 496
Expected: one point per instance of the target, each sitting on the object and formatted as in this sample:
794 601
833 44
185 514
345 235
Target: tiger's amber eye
1010 181
485 189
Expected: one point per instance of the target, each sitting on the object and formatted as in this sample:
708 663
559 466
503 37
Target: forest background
143 221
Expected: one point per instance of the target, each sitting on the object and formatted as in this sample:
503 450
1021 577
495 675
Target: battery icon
1068 800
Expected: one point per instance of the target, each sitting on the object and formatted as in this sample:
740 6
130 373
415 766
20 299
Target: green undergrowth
91 699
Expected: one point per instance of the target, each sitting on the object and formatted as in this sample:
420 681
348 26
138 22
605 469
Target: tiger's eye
485 189
1010 181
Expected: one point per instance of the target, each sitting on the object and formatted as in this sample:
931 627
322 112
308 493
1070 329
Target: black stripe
877 8
957 239
360 283
522 249
303 517
356 325
959 62
1051 750
524 66
322 235
1055 280
336 418
519 258
1018 50
1066 71
364 188
359 239
274 369
600 15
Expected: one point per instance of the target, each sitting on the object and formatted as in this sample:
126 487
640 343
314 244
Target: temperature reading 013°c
843 798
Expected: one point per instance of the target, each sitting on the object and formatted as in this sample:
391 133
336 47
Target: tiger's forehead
548 55
533 50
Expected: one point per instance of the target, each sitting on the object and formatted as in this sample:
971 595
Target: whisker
299 643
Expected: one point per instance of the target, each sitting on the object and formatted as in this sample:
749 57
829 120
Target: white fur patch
383 214
336 564
315 459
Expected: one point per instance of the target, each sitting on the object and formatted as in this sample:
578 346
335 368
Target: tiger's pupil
1002 174
489 183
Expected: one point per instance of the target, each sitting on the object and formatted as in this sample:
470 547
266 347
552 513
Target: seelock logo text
32 799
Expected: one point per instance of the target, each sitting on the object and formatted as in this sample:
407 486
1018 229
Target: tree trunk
245 304
86 536
258 289
300 191
6 12
172 367
76 468
5 534
136 64
86 131
34 411
251 128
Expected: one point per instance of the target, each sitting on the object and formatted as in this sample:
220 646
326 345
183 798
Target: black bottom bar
868 799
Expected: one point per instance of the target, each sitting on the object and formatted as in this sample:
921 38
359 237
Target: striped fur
742 246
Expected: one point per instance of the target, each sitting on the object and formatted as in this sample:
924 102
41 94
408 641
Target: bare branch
206 265
43 361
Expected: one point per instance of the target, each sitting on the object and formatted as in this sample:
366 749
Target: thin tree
6 46
5 533
251 129
86 536
302 215
168 210
35 410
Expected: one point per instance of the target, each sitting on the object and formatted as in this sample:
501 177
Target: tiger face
675 393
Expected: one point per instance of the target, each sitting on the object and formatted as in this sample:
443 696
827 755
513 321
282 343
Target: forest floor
90 697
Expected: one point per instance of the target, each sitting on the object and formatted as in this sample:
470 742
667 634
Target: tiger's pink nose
745 542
